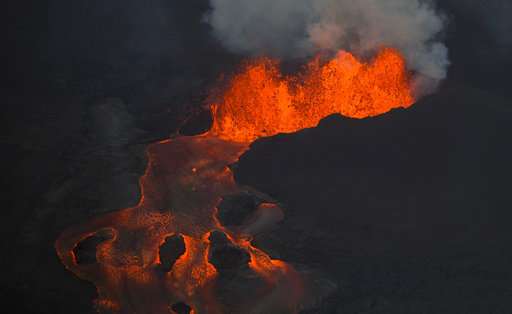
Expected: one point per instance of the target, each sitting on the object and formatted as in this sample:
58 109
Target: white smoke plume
300 28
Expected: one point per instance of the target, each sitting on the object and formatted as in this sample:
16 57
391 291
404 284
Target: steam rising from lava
190 243
301 28
188 183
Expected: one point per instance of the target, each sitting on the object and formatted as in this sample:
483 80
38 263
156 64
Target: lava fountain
213 266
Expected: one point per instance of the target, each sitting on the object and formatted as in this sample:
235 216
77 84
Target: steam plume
300 28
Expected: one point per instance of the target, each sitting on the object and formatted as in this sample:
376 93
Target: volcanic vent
186 247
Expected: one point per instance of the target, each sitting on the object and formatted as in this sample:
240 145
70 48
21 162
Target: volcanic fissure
174 250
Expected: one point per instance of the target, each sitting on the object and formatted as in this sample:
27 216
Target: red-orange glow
261 102
192 269
107 305
260 262
186 177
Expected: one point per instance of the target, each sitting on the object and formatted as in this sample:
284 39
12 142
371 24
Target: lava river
188 178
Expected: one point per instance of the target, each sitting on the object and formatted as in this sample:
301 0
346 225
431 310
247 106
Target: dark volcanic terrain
408 212
405 212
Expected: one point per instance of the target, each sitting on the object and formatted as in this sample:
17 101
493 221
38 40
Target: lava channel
216 268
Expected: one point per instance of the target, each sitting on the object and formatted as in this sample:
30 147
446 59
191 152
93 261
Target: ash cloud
300 28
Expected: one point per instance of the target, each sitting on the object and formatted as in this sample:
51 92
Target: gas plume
301 28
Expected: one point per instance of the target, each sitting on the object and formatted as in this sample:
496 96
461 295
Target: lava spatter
188 176
260 101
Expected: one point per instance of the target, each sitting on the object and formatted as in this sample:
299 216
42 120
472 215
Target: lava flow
188 184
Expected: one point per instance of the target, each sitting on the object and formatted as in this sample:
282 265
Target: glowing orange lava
261 102
187 177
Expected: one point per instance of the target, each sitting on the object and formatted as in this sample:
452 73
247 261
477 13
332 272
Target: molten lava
261 102
187 177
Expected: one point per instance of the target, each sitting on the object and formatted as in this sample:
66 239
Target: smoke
300 28
266 217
